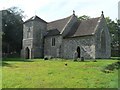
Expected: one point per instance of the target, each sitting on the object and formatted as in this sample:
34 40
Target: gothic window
103 41
28 33
53 41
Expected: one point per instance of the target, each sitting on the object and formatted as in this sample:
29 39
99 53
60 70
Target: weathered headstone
82 58
75 56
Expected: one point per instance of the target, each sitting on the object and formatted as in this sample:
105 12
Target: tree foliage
12 30
113 28
84 17
114 31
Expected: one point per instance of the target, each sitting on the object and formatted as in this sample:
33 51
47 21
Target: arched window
103 42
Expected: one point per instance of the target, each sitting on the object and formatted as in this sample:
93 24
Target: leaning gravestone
75 56
82 58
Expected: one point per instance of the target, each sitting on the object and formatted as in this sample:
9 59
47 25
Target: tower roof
35 18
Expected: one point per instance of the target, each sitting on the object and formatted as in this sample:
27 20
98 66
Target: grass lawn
55 74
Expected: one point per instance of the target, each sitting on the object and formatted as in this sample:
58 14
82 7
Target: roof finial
102 12
73 12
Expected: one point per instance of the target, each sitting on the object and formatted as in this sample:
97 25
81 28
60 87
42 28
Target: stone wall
27 41
104 52
53 51
38 38
86 44
65 48
28 27
33 33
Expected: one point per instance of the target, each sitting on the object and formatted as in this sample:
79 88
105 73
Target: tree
113 31
115 38
17 12
84 17
12 30
118 23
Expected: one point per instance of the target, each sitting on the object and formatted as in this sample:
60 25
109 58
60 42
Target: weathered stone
87 46
33 33
75 56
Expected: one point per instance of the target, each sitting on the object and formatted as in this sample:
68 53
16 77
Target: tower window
28 33
53 41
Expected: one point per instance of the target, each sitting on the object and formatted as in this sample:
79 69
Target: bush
111 67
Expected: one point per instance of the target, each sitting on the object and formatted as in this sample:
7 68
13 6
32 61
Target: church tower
34 30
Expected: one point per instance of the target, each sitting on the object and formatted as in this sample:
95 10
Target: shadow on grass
6 64
5 61
69 60
17 59
115 58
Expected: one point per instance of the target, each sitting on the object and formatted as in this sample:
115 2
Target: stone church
62 38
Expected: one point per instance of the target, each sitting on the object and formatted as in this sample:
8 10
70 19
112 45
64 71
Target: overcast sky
50 10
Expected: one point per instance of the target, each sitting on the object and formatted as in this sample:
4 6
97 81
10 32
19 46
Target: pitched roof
86 27
58 24
35 18
73 29
52 32
79 28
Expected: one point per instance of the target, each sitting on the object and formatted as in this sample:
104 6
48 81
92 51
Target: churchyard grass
39 73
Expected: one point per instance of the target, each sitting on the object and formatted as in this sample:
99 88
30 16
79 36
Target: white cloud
29 6
55 9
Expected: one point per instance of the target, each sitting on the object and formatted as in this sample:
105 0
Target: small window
53 41
28 33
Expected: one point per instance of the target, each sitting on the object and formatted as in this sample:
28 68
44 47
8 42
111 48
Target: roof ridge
66 24
59 24
60 19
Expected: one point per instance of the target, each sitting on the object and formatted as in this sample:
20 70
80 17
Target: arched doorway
27 53
78 51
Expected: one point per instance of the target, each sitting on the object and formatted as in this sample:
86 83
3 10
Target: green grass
54 74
